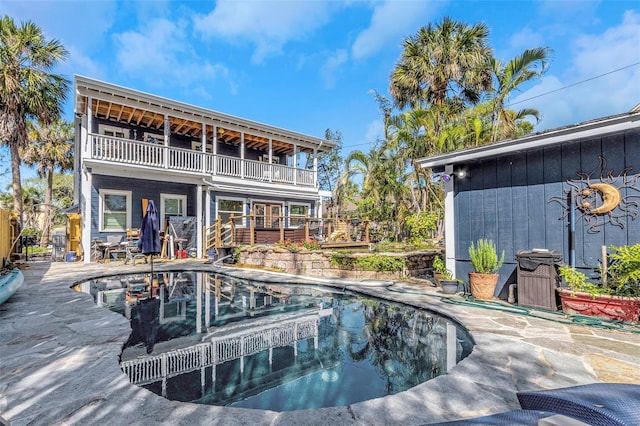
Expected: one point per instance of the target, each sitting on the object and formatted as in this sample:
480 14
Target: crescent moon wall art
601 202
610 196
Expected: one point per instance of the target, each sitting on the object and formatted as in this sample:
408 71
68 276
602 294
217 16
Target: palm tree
531 64
449 61
49 149
27 88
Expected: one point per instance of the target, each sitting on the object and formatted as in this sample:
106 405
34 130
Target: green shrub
342 259
380 263
623 274
374 262
422 226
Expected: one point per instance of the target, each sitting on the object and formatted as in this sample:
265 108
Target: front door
268 215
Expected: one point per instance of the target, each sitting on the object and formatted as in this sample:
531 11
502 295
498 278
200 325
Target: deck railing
128 151
249 230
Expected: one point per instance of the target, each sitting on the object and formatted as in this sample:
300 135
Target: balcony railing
127 151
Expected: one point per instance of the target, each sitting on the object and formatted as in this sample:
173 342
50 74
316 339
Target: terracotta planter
612 307
483 285
438 276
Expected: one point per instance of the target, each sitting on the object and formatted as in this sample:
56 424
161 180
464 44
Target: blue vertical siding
509 200
140 188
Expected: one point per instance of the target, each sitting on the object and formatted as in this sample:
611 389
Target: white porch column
167 132
87 139
295 163
204 147
86 213
449 227
199 222
215 149
242 164
315 167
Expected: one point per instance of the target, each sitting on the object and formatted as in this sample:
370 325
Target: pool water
212 339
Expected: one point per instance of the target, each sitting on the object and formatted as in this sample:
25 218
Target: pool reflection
212 339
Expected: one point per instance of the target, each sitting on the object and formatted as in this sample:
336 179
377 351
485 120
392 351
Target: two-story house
193 162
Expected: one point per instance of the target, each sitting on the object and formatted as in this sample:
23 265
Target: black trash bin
538 279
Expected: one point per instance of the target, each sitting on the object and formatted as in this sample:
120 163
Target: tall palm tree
49 149
529 65
448 61
27 88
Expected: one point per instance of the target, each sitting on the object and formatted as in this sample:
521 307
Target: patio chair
509 418
133 254
131 247
114 247
597 404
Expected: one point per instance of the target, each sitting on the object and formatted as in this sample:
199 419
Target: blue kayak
10 283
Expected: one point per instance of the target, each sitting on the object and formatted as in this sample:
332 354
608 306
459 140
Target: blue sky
311 65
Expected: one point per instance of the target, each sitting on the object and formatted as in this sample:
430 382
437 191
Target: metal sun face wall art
609 199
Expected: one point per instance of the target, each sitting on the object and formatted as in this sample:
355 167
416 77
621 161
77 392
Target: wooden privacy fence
251 229
8 234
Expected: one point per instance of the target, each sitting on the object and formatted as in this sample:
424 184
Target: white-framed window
227 207
172 205
115 210
297 214
114 131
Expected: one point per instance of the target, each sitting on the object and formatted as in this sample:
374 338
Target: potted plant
439 269
616 295
444 277
486 264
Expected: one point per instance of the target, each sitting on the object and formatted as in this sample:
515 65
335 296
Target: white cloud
269 25
391 22
525 39
594 85
161 55
375 132
331 66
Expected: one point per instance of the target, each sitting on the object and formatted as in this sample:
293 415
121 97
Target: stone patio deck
59 357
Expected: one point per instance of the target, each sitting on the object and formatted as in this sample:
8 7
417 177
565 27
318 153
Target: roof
124 105
586 130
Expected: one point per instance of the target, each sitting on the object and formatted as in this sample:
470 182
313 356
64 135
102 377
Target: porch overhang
270 190
127 106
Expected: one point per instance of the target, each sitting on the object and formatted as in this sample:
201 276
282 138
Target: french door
267 215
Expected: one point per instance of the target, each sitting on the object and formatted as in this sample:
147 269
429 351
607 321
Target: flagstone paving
59 359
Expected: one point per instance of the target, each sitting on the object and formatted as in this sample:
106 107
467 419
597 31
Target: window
172 205
297 215
116 132
115 210
228 207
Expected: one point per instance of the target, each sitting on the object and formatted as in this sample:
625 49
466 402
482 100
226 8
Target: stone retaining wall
317 263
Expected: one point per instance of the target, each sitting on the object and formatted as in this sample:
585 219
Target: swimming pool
212 339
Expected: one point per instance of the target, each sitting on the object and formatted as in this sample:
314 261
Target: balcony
126 151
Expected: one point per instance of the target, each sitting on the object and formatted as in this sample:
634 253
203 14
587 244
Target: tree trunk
48 196
17 182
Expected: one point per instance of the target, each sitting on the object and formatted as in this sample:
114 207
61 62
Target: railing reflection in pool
223 341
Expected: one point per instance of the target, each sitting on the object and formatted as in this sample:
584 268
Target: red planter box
612 307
